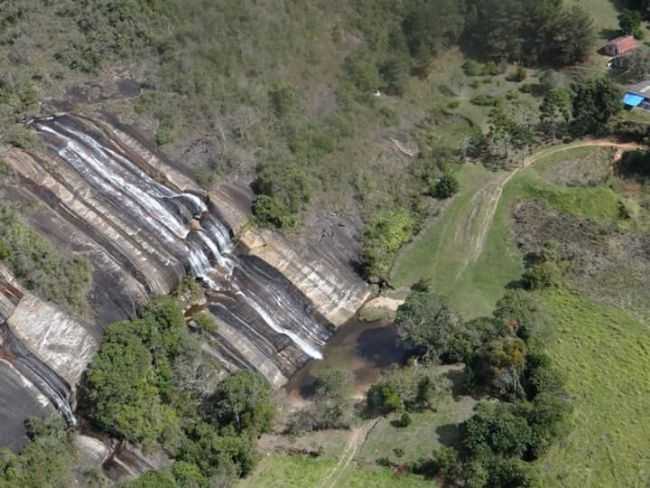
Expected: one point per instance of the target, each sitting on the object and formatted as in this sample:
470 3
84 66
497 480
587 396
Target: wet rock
329 282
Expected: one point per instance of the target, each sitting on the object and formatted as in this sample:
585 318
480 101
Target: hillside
361 243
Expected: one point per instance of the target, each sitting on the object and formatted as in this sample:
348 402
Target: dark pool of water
364 349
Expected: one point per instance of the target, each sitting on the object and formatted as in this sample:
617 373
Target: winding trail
358 436
473 232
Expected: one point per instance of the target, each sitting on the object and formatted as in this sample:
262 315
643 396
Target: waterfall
35 372
184 225
304 345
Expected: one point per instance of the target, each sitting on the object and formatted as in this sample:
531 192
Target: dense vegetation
45 462
504 358
150 385
40 267
531 32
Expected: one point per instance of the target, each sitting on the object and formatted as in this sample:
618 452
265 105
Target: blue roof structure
632 99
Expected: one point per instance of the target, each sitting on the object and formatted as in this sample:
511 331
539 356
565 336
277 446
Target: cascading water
34 372
244 291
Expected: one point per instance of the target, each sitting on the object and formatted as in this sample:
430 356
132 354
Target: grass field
440 253
605 355
282 471
437 427
602 350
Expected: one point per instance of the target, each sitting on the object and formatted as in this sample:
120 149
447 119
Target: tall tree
630 23
243 400
594 103
426 323
530 32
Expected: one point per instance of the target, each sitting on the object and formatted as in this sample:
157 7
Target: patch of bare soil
610 265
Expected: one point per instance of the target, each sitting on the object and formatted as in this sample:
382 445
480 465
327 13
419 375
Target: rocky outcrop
144 224
318 271
61 342
43 353
64 344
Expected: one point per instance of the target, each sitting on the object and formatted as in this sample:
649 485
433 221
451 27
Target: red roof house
621 45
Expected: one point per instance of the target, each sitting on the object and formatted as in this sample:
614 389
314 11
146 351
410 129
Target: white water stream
164 212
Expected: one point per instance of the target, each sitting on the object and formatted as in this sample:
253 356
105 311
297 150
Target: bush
384 235
541 275
46 461
284 100
498 365
496 430
283 189
404 420
491 69
243 401
135 389
394 72
427 325
446 187
473 68
153 479
206 322
382 399
40 267
519 75
485 100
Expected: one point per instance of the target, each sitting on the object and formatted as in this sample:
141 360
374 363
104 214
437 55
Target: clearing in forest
468 253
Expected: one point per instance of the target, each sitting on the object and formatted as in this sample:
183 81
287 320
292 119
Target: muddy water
361 348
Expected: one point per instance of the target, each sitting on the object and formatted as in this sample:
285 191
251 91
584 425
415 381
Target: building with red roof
621 45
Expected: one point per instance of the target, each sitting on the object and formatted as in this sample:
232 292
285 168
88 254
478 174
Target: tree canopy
530 32
427 324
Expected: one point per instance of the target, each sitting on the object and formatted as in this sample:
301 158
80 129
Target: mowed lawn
604 352
606 356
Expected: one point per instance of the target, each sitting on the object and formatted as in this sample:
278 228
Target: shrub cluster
40 267
138 388
503 358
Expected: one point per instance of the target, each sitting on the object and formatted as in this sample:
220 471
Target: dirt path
473 233
357 437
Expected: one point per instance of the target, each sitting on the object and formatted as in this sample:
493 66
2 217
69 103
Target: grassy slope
604 353
438 254
601 349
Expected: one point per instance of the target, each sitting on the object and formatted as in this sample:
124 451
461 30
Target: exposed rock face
42 353
64 344
147 224
143 225
320 272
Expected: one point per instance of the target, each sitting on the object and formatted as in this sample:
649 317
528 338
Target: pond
361 348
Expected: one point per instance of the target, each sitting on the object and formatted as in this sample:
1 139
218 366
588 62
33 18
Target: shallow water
361 348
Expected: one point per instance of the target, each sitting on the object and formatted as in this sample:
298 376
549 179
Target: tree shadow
620 4
448 434
608 34
634 165
458 384
381 347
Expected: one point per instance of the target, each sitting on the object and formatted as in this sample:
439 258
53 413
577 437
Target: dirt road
472 233
357 437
